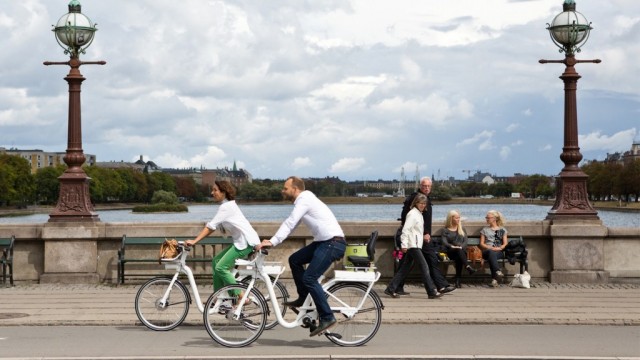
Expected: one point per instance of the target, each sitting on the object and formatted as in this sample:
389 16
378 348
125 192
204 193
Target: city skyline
351 89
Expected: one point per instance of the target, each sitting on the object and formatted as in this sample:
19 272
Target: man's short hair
296 182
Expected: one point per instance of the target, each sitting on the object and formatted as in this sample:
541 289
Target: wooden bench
517 257
7 259
152 244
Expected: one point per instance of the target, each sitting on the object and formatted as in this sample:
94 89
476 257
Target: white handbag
521 280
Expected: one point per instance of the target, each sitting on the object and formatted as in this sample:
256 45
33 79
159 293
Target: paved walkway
544 303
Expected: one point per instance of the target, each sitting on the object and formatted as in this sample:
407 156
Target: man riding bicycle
328 246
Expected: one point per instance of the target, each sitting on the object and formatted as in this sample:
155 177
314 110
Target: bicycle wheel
281 295
223 323
355 326
160 317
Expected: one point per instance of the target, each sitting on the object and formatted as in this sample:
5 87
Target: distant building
235 176
626 157
40 159
140 165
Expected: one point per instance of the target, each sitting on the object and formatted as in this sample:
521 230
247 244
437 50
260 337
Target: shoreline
598 205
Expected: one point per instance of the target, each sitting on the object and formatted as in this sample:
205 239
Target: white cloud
512 127
504 152
484 138
420 82
620 141
346 165
301 162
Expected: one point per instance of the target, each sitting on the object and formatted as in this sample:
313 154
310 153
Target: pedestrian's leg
297 261
401 274
420 261
431 257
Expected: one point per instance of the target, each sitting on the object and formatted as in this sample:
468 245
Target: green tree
474 188
186 187
164 197
501 189
530 185
159 181
630 180
440 192
47 184
17 184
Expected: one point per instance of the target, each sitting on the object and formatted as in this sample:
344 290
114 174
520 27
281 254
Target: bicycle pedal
335 335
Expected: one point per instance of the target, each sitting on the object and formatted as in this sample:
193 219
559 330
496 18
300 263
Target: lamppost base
74 203
572 201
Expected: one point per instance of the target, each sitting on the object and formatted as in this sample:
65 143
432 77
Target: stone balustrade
563 252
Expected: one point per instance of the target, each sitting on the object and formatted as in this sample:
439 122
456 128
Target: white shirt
313 213
230 219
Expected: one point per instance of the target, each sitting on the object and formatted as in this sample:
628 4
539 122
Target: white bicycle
162 303
233 320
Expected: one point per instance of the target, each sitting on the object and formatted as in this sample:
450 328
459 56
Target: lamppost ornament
74 33
569 31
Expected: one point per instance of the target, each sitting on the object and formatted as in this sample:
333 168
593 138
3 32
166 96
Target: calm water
347 212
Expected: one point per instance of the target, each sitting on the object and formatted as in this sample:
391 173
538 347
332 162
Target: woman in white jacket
412 238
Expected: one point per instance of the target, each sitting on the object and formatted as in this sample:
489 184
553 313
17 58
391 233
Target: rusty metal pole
74 202
572 200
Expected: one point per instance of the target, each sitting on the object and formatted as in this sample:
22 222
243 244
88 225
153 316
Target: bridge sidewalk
544 303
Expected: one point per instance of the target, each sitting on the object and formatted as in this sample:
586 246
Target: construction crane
400 192
468 173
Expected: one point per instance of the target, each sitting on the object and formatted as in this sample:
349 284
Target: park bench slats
152 244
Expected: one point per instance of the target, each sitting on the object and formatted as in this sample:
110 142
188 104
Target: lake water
344 212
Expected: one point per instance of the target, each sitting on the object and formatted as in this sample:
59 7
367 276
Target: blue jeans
492 257
319 255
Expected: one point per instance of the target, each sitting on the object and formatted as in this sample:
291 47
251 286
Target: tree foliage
47 184
17 185
611 180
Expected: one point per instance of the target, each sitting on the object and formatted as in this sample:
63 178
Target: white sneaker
494 283
225 307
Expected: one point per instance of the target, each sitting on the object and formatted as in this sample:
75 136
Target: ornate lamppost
569 31
74 33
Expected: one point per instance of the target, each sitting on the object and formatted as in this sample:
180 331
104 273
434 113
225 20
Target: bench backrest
475 241
157 240
7 243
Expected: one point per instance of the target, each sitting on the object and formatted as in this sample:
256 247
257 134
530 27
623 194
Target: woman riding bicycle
229 219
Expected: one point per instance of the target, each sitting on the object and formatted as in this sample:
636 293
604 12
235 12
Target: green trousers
223 263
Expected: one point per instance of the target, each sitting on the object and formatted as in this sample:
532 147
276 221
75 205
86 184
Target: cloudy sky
357 89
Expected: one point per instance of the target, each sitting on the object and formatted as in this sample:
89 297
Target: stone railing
87 252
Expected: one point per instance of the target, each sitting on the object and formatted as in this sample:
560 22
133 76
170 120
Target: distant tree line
18 187
613 181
